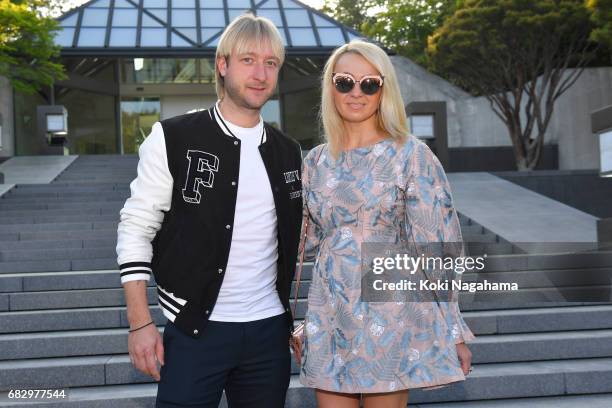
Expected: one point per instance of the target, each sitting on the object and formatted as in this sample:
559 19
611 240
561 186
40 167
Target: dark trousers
251 361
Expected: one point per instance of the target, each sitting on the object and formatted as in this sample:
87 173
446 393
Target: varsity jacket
177 223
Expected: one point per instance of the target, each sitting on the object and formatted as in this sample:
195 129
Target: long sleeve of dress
431 217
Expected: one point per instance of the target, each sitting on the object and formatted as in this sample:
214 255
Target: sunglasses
369 84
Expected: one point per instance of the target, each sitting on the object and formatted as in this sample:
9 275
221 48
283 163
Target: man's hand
465 357
146 350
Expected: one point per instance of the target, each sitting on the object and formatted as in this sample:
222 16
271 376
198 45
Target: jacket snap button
233 183
220 270
228 226
206 312
195 331
236 143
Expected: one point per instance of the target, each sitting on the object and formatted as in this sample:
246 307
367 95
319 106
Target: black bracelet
141 327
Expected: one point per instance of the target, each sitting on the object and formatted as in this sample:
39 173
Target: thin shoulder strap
302 247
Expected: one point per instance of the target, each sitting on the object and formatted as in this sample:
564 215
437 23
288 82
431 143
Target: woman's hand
465 357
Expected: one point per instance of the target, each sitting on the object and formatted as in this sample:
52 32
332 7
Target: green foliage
602 17
27 50
404 26
401 25
517 53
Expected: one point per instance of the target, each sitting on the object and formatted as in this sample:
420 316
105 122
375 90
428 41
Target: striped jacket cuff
132 271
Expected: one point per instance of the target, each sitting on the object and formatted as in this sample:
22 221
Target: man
215 214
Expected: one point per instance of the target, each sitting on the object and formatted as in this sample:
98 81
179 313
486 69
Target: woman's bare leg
398 399
328 399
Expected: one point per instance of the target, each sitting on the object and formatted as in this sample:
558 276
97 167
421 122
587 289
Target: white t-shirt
248 291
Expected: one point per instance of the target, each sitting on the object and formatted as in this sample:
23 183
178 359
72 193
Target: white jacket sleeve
143 212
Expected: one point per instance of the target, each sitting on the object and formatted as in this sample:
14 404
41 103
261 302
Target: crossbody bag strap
302 246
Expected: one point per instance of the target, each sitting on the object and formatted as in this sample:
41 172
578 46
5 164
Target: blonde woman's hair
391 116
245 32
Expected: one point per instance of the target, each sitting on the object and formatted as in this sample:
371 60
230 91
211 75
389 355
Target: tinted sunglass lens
344 84
370 86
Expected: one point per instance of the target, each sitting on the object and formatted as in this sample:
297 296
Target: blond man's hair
245 32
391 116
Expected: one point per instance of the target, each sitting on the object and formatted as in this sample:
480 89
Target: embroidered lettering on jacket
291 176
200 172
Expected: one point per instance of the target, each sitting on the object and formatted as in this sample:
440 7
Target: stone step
53 254
56 219
61 226
56 244
70 299
49 213
16 200
51 235
87 318
117 204
143 395
57 265
496 348
486 382
504 381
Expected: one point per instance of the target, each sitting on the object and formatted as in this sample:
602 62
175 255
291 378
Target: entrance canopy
189 27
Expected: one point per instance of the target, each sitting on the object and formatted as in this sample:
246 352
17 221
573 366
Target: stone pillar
7 142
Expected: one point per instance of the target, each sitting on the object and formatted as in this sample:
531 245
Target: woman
373 180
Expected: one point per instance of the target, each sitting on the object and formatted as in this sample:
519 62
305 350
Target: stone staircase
63 322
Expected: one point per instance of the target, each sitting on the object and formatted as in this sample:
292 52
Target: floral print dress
353 346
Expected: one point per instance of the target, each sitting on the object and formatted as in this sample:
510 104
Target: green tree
400 25
602 17
404 26
27 50
351 13
517 53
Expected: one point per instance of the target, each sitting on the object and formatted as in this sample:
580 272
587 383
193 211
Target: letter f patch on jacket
199 173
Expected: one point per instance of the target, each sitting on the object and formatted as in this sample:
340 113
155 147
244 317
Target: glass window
322 22
283 37
270 113
605 152
302 37
212 18
148 21
64 37
331 36
184 18
125 17
233 13
123 3
244 4
300 112
208 33
190 33
271 14
269 4
183 4
95 17
297 18
137 118
99 3
123 37
159 71
178 41
155 3
290 4
70 21
92 37
161 14
207 70
211 4
353 36
153 37
422 126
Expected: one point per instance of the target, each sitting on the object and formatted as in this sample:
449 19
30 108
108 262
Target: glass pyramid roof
172 27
